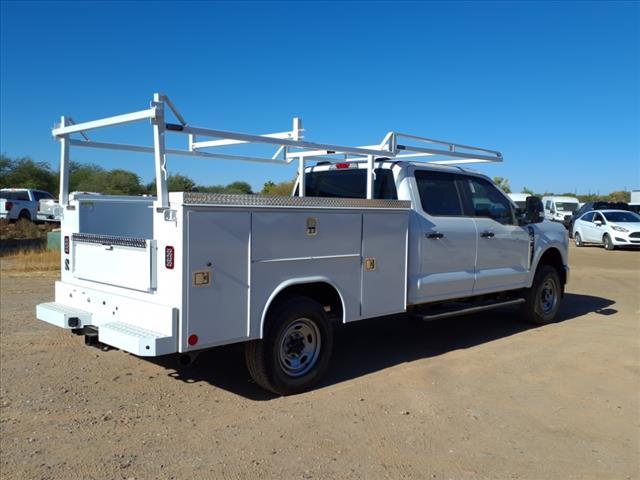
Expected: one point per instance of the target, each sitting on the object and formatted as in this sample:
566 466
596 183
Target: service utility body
375 230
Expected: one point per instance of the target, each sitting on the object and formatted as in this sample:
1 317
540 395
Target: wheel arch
320 289
553 257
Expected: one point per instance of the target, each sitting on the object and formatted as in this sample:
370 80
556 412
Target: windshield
622 217
566 206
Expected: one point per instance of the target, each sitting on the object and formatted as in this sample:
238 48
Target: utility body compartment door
384 263
217 276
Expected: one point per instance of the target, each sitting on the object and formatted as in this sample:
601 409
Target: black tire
536 308
578 240
24 215
267 358
607 242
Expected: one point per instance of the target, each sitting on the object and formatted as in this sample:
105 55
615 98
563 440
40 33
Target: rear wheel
295 351
607 242
24 215
578 239
542 300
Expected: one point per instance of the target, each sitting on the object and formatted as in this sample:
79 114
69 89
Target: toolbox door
217 277
384 263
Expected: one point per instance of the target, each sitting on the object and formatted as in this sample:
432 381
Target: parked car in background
611 228
559 209
520 199
588 206
22 203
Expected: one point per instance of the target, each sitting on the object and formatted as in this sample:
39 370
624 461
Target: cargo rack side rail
290 147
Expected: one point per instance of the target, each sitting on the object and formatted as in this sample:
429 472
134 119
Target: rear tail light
66 245
8 206
169 257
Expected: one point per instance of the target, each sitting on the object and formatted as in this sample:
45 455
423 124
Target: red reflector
342 165
66 245
169 257
8 206
193 339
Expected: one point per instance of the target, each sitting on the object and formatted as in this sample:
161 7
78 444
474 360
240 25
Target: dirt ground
484 396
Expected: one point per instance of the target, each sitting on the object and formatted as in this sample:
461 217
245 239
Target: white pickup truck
26 203
370 231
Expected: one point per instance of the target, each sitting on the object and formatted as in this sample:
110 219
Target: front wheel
608 243
578 239
295 351
542 300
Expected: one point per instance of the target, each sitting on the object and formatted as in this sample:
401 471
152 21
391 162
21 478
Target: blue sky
554 86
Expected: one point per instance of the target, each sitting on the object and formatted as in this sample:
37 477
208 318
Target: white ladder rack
290 147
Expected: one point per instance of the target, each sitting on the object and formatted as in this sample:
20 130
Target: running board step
136 340
468 310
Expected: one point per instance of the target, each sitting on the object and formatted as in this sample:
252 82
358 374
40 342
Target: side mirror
552 211
598 223
533 211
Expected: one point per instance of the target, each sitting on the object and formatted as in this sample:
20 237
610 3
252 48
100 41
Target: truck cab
466 237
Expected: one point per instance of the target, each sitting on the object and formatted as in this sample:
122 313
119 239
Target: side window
548 205
22 195
588 217
598 216
438 193
489 202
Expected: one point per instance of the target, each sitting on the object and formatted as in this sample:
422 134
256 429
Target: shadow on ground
365 347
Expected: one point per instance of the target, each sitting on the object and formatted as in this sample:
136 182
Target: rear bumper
133 325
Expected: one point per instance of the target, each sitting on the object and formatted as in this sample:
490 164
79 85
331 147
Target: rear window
350 183
19 195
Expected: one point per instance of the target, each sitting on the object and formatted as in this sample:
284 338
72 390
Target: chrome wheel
548 296
578 239
299 347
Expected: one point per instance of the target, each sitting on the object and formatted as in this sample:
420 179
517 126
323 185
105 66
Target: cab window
588 217
488 201
349 183
439 193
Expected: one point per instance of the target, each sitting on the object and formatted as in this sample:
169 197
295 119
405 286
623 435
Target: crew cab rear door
444 240
503 246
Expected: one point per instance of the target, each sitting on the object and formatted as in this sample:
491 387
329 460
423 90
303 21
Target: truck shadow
365 347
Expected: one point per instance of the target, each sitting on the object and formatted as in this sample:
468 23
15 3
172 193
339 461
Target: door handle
435 235
487 234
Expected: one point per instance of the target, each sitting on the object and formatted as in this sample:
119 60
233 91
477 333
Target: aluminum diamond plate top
225 199
109 240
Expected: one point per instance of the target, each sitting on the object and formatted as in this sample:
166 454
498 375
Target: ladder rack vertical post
63 197
301 183
369 177
162 200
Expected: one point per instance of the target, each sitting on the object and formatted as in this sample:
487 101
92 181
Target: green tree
282 188
527 191
239 187
503 183
175 183
26 173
